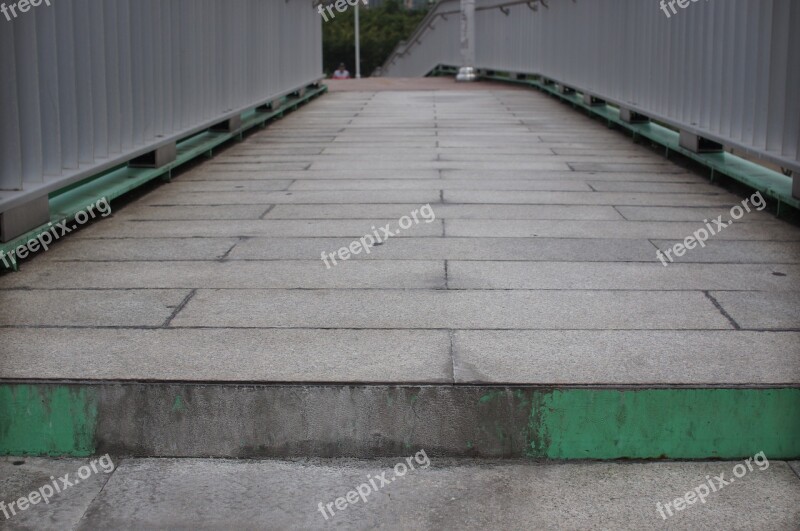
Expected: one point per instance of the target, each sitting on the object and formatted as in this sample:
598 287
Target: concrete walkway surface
435 494
540 266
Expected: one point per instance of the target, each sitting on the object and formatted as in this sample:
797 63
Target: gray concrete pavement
436 494
540 267
20 476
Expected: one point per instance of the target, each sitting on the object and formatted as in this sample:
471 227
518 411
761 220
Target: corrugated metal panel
85 82
728 70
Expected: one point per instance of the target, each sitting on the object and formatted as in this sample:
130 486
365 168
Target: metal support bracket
161 156
592 101
227 126
266 107
698 144
632 117
17 221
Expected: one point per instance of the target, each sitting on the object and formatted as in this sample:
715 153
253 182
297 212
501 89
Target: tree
382 28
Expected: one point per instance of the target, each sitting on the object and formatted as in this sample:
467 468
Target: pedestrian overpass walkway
539 272
528 314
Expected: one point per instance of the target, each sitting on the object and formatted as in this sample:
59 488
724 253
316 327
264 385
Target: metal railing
86 85
725 70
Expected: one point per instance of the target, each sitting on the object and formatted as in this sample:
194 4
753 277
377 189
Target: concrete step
246 420
412 491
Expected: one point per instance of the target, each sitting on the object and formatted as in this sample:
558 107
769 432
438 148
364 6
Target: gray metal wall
84 83
726 69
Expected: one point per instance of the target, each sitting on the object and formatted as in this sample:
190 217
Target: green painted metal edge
770 183
567 423
665 423
67 202
47 420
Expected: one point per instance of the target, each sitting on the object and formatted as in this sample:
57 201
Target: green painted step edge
47 420
665 423
569 423
67 202
770 183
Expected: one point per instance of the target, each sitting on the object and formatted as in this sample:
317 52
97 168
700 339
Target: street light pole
467 70
358 46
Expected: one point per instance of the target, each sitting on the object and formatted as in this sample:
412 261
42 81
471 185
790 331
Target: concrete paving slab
439 494
438 184
590 198
587 139
516 149
419 197
737 251
313 355
407 126
403 155
592 151
621 276
244 149
338 151
412 165
430 142
599 144
425 309
654 187
572 176
522 158
533 249
761 310
482 228
287 138
468 142
641 357
309 174
402 132
228 166
249 185
444 211
148 307
151 249
697 214
262 228
172 212
21 476
662 167
289 274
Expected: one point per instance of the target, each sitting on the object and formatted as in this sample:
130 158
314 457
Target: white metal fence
728 70
86 84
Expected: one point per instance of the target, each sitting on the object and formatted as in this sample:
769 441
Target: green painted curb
47 420
665 423
568 423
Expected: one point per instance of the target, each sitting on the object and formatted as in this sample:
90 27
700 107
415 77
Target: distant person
341 72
